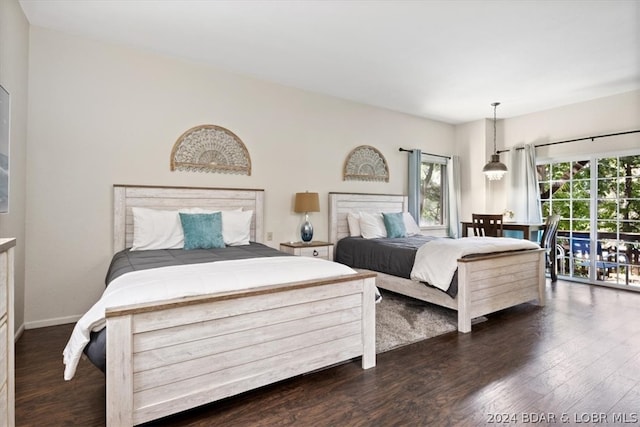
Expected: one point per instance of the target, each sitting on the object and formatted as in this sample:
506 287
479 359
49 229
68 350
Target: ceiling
444 60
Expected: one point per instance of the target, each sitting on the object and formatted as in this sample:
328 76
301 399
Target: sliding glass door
598 200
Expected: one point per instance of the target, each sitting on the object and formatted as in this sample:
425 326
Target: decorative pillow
236 230
372 225
236 227
394 224
353 220
202 231
156 229
410 224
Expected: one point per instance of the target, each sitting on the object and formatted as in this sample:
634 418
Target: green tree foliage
565 189
431 208
619 178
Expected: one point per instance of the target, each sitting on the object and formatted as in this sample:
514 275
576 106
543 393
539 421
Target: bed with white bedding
180 336
492 273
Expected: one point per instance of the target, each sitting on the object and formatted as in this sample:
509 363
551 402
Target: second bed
485 282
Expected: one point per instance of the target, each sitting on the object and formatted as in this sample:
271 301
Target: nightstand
313 249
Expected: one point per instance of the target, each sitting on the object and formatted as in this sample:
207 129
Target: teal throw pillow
202 231
394 223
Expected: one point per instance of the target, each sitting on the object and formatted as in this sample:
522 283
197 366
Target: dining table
530 231
523 230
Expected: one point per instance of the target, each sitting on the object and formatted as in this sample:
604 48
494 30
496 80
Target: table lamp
305 203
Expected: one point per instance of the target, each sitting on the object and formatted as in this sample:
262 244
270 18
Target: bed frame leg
120 376
464 313
464 322
368 323
542 281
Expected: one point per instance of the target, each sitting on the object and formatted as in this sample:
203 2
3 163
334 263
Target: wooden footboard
486 284
168 357
494 282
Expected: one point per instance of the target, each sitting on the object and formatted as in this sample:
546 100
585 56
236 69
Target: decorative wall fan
210 148
365 163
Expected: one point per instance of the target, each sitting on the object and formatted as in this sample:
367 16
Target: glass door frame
593 230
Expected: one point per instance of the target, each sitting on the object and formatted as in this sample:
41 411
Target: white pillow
156 229
410 224
353 220
372 225
236 227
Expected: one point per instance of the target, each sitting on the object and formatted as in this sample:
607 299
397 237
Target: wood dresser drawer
3 354
3 288
4 405
7 363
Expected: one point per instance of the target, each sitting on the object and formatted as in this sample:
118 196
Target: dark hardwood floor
574 362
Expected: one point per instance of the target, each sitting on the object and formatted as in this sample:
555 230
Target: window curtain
453 196
524 192
415 168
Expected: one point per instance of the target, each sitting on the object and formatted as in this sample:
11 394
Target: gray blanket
390 256
126 261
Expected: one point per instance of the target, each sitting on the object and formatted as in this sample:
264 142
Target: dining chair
487 225
548 242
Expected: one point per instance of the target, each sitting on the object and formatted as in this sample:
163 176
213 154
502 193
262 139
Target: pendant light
494 170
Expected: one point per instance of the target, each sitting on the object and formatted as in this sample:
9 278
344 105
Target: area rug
402 320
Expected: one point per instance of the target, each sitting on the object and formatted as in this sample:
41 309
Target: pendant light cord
495 148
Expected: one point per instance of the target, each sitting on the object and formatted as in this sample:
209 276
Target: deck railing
617 256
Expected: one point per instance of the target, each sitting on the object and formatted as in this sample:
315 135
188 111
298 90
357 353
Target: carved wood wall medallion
210 148
365 163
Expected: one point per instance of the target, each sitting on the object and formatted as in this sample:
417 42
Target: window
598 200
433 191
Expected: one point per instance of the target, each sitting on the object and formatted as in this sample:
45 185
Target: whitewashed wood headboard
340 204
126 197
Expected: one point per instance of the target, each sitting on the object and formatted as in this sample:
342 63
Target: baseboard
51 322
18 333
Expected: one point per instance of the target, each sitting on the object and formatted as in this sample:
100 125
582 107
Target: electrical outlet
269 236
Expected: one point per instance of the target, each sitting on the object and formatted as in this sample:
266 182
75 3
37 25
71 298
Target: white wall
100 114
474 142
474 145
14 48
608 115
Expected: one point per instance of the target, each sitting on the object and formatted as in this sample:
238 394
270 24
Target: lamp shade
307 202
495 169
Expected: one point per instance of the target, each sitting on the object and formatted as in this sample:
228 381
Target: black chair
548 242
487 225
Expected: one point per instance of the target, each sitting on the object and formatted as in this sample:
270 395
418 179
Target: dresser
7 385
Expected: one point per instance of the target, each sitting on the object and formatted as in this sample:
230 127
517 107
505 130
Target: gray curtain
415 167
453 197
524 192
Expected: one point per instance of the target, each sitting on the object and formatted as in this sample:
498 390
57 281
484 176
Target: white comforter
436 261
190 280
